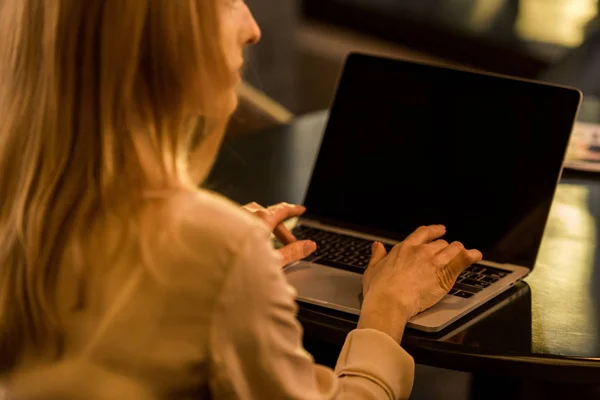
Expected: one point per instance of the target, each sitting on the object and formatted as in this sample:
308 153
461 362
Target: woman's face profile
239 29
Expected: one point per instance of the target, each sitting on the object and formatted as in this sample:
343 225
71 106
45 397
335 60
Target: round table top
536 329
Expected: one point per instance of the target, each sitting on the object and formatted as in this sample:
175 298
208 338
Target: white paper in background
584 149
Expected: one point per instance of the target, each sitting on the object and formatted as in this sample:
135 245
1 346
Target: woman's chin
223 105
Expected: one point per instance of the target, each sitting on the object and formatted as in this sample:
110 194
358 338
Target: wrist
385 315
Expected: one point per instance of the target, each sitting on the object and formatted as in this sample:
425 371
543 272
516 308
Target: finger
448 254
297 251
437 246
252 207
266 217
425 234
282 212
378 253
462 261
283 234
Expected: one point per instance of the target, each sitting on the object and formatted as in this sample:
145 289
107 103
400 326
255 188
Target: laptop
410 144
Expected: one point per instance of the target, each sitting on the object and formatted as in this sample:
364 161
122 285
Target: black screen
410 144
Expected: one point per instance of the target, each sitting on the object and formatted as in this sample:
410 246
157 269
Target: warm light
484 12
559 22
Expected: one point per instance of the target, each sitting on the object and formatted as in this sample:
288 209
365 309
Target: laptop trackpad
326 286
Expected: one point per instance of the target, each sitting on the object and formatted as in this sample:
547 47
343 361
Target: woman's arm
256 342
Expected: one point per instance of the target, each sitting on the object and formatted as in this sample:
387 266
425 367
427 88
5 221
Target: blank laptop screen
410 144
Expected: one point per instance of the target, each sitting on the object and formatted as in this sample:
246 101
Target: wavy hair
98 102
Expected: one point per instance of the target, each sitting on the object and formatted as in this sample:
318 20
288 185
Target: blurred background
305 41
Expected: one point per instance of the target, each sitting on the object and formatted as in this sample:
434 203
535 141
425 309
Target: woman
113 112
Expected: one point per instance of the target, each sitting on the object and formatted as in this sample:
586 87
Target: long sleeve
256 342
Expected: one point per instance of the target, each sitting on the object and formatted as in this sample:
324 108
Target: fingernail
309 247
373 247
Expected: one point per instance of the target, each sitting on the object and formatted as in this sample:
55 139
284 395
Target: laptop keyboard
351 253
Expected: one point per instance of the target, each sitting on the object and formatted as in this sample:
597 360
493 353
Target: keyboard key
476 277
477 271
477 284
485 284
463 294
489 271
476 268
466 288
453 291
489 279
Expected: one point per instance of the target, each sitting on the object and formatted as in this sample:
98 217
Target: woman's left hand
274 216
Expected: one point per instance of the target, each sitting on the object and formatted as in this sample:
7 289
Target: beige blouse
216 319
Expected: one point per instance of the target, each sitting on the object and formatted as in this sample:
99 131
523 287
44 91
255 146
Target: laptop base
340 290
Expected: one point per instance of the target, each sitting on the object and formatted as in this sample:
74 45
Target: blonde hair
97 103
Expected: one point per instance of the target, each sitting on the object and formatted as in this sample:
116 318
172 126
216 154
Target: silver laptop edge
473 321
340 289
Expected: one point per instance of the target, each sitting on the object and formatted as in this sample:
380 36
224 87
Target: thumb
378 253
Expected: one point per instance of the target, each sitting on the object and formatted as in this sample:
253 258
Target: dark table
547 328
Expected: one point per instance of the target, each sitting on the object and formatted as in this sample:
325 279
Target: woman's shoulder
203 210
203 228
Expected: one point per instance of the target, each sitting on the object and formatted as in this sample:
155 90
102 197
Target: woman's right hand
415 275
